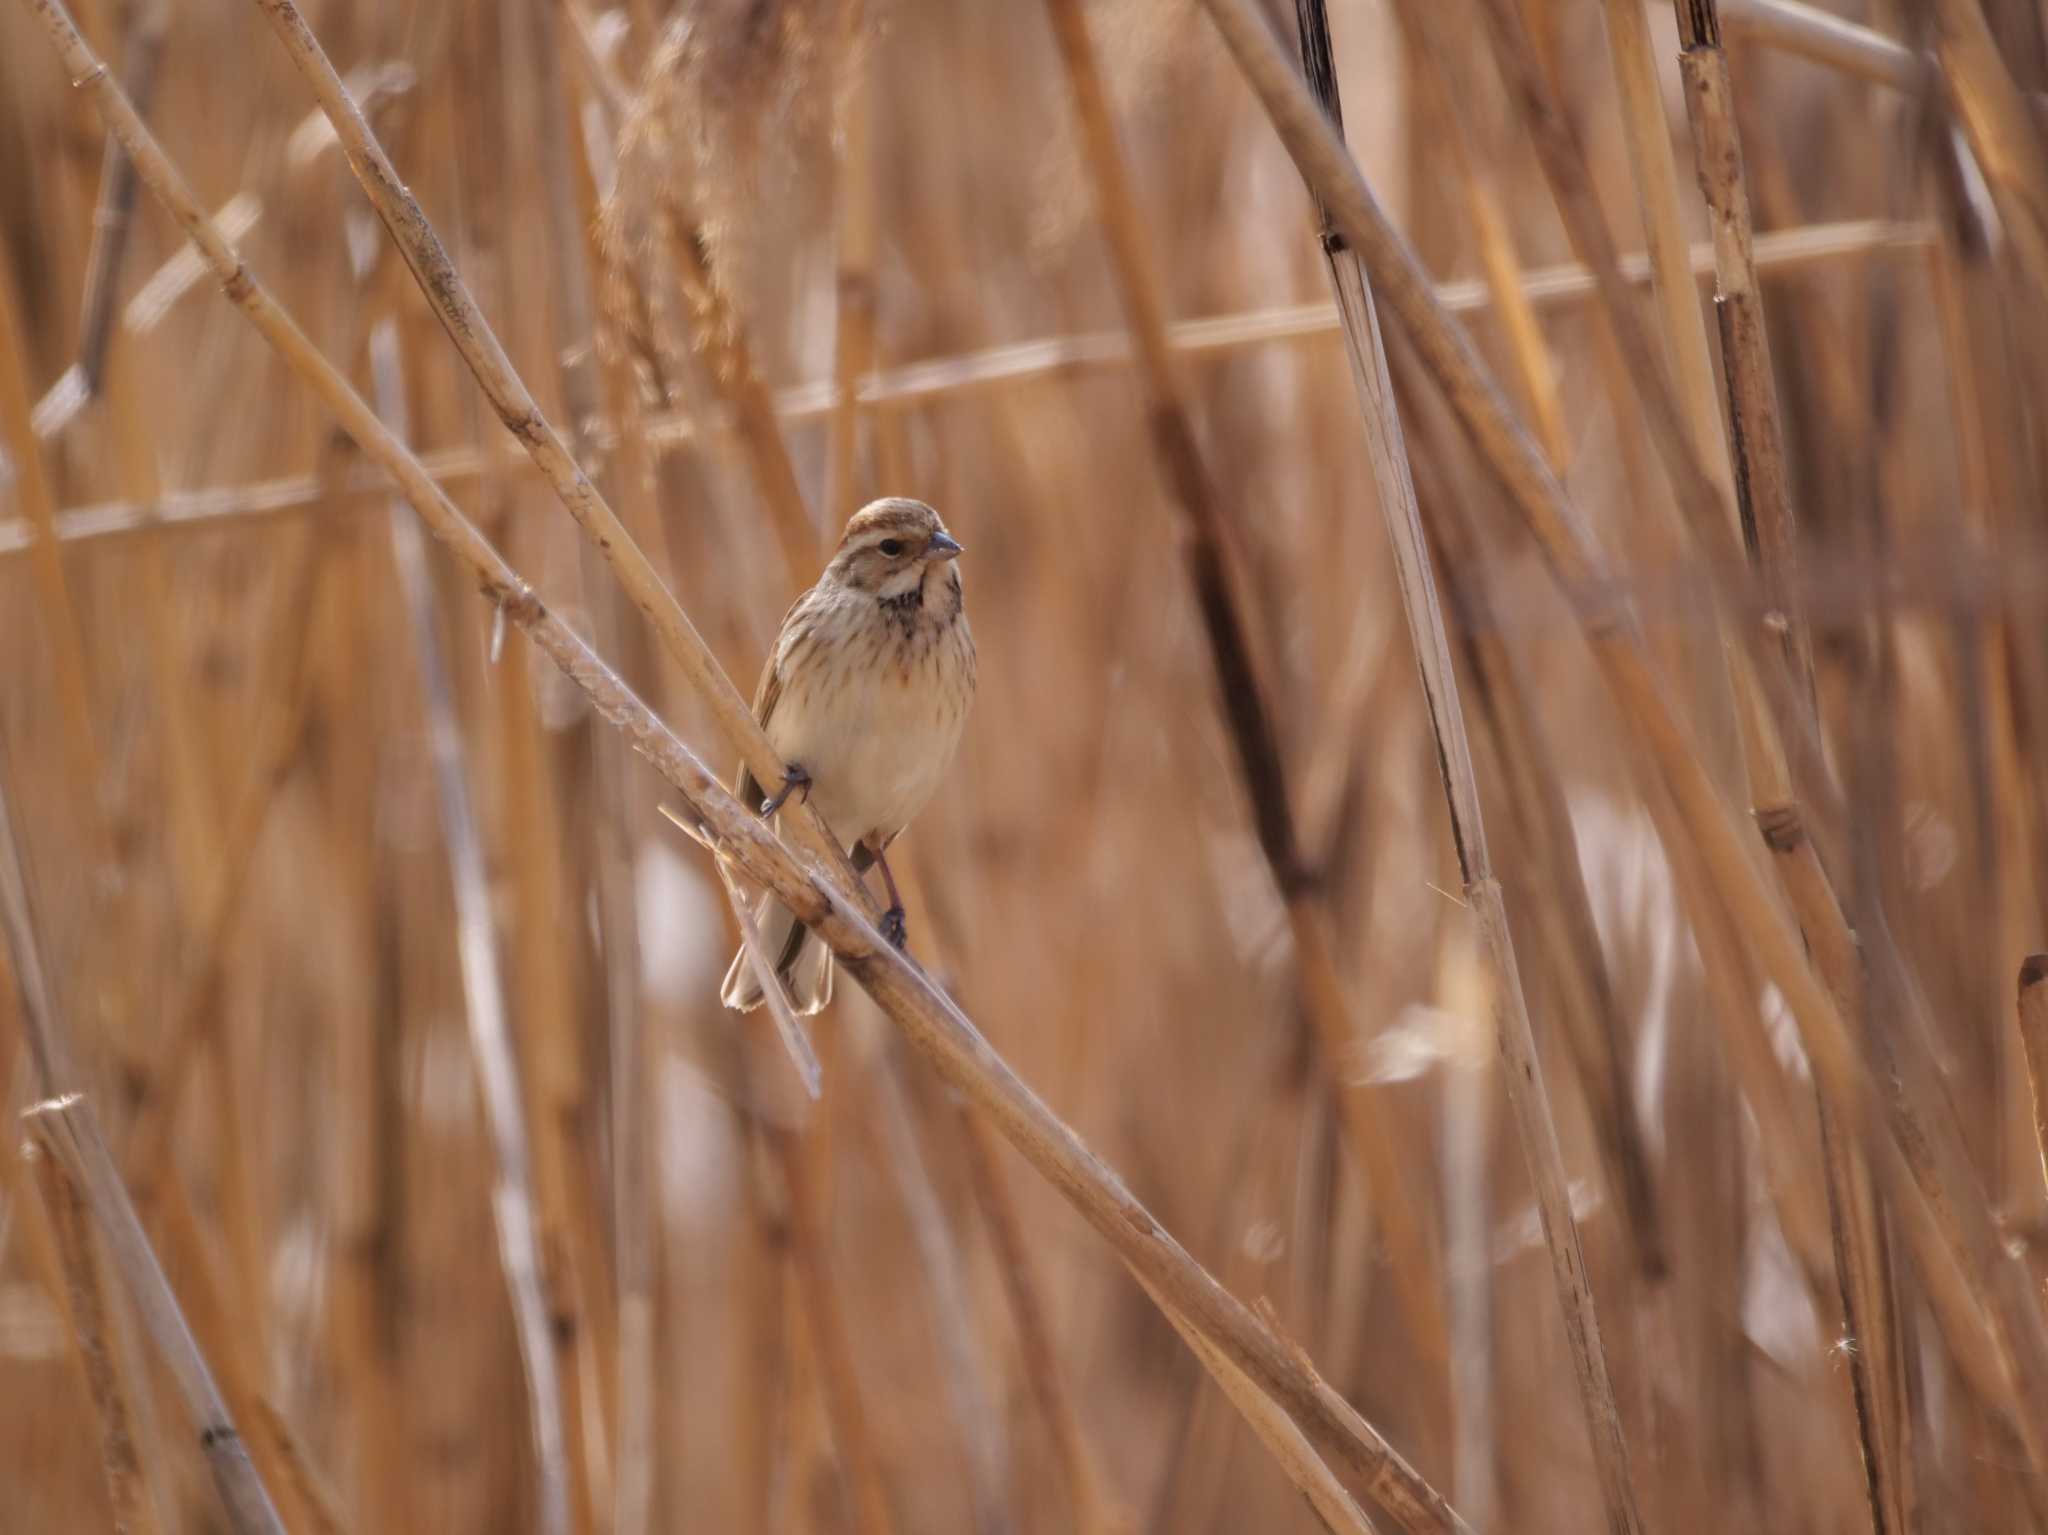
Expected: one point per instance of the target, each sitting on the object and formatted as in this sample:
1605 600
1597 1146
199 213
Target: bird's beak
942 547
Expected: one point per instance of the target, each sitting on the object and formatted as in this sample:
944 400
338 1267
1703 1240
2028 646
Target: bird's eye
891 547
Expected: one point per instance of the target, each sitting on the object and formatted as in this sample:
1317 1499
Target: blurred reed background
762 261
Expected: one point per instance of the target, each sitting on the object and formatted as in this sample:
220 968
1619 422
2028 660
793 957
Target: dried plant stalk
1522 1072
933 1024
85 1298
53 592
1763 491
1655 172
825 1325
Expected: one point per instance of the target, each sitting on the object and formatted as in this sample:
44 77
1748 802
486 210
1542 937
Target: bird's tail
802 964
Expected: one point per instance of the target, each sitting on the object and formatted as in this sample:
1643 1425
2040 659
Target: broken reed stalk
1913 1113
66 1128
1521 1070
2033 1022
1247 711
1763 491
85 1300
816 896
527 1290
473 337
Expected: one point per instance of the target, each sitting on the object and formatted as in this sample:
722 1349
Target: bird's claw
893 927
793 779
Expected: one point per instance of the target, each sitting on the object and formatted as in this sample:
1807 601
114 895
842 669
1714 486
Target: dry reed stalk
1090 1508
552 1386
1762 478
1861 1258
1771 537
1590 1014
303 1502
573 202
1690 472
901 388
157 1085
113 216
85 1301
453 304
62 630
632 1255
933 1024
564 1105
1647 138
854 280
1993 1333
2002 132
1825 38
65 1128
1442 82
2033 1017
968 1385
1521 1070
1247 711
825 1325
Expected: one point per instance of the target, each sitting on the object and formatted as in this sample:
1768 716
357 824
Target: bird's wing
767 694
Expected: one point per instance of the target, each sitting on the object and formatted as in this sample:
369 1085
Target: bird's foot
793 779
893 927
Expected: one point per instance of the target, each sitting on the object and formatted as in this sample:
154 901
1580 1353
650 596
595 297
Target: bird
864 697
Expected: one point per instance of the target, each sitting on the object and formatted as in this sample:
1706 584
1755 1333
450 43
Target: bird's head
891 548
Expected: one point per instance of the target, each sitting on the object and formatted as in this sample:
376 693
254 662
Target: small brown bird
864 697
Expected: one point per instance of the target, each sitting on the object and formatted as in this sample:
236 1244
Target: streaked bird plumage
867 690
